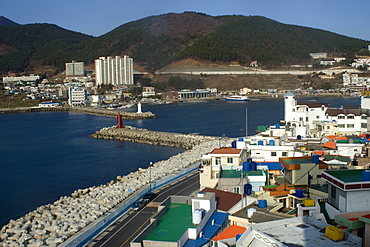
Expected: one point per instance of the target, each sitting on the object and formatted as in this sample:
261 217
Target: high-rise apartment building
114 70
75 70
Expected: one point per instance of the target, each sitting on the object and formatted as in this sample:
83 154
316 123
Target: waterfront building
116 71
312 118
77 96
75 70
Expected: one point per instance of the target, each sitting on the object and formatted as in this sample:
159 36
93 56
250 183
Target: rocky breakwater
112 113
133 134
53 224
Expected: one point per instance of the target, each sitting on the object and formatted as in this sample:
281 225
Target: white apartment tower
114 70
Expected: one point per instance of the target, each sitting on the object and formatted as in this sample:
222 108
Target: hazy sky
96 17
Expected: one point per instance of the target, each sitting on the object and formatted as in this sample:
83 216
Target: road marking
137 229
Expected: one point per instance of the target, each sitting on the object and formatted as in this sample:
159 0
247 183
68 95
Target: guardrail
86 235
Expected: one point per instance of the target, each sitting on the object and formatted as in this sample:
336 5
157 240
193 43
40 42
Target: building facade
77 96
75 70
114 71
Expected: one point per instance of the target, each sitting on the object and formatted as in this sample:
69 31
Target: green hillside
157 41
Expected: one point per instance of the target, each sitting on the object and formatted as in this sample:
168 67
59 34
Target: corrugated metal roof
209 230
230 232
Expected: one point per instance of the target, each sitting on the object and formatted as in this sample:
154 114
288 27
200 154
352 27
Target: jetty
86 110
132 134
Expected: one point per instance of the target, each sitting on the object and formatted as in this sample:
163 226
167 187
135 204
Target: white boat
237 98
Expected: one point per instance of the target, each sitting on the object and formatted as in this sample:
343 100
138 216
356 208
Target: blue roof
209 230
271 165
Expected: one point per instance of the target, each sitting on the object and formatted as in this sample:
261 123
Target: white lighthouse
139 108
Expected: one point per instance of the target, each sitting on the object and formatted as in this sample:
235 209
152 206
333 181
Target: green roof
240 174
347 175
337 157
168 227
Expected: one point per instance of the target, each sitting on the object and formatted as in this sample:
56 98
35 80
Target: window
218 160
333 192
230 160
363 125
341 125
317 117
293 110
363 117
284 154
341 117
217 174
273 153
350 117
328 127
350 125
323 108
236 189
307 119
301 119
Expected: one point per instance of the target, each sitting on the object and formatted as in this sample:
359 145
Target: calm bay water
46 155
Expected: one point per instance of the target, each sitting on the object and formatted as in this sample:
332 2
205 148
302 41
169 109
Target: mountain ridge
156 41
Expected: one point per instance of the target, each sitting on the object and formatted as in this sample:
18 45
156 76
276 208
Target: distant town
115 84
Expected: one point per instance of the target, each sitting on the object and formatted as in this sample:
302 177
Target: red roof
331 145
230 232
226 150
225 200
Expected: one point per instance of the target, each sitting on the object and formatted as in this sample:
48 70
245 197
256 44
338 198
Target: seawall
54 224
86 110
133 134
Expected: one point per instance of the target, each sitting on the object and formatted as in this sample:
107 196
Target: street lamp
150 175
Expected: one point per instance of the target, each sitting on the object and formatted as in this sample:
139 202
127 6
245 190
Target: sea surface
46 155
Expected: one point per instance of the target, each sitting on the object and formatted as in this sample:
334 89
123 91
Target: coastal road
129 225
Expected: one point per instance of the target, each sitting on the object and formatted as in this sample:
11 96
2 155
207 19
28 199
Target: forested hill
22 46
156 41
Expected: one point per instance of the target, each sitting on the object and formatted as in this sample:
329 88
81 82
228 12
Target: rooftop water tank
315 158
250 212
299 193
246 166
366 175
247 189
197 216
277 126
253 166
241 139
271 142
233 144
249 159
299 137
260 143
262 203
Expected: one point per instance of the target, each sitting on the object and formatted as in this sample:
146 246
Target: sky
97 17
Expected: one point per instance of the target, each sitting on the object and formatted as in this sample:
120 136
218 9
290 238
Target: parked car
138 205
148 197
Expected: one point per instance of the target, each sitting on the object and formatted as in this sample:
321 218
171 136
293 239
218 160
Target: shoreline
85 110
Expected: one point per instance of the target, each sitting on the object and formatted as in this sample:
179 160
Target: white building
114 71
301 114
75 70
30 78
148 91
77 96
312 118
